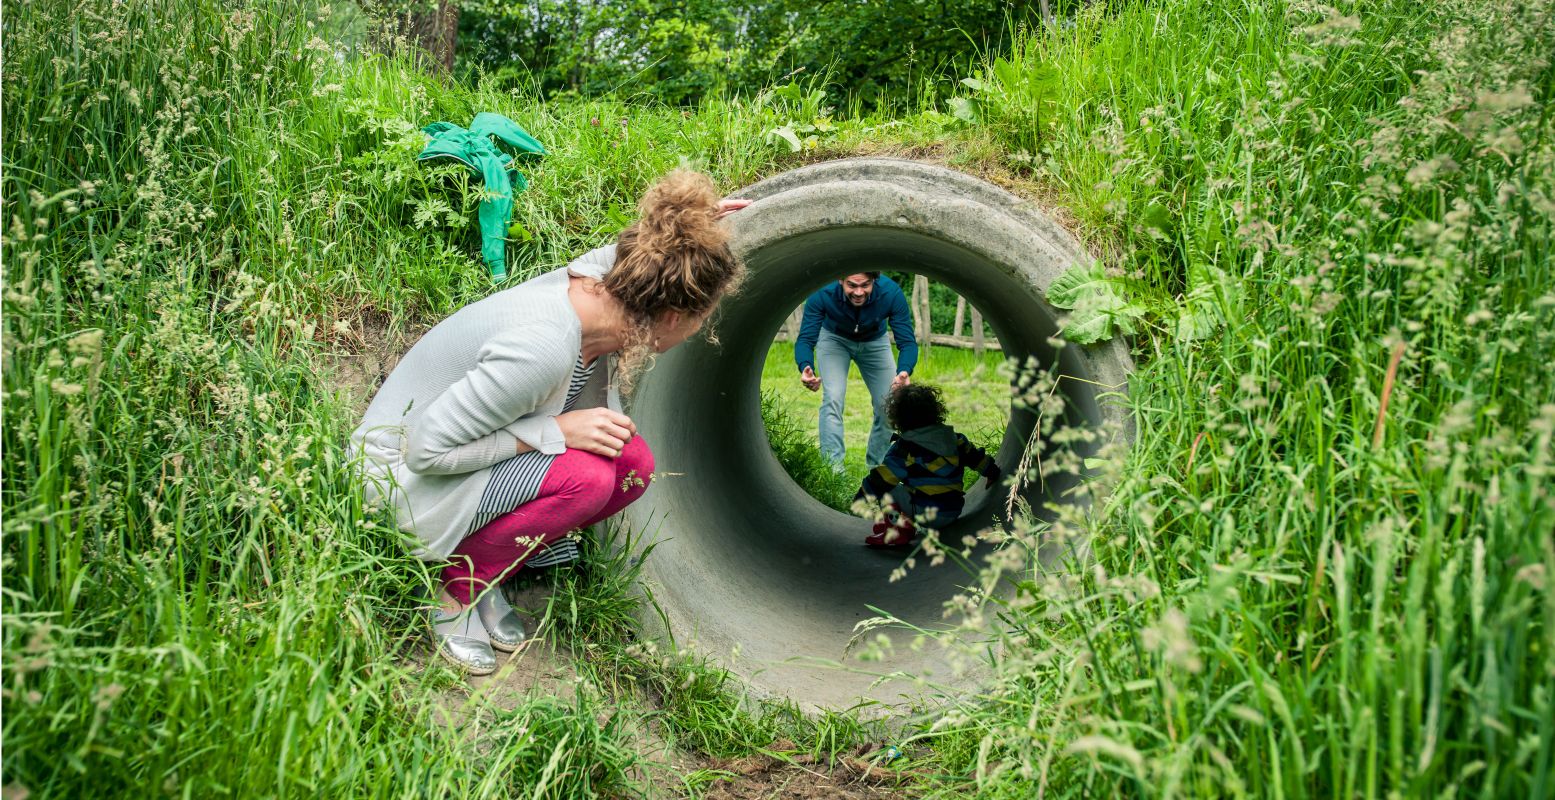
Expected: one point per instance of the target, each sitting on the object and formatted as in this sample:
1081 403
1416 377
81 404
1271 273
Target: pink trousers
579 490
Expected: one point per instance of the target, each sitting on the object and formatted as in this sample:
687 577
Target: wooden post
960 317
920 298
915 303
794 321
977 333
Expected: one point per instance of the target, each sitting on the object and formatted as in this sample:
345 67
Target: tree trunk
1047 13
431 27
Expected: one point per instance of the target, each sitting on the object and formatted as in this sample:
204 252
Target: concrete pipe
750 570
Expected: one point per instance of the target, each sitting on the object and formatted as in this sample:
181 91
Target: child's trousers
901 498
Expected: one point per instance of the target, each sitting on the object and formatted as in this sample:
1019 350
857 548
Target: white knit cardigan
491 375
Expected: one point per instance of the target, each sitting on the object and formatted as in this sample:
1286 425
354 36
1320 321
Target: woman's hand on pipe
730 205
597 430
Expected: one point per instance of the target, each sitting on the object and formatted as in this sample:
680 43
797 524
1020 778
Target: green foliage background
1320 569
688 50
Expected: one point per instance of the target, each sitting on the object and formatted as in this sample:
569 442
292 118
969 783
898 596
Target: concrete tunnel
751 571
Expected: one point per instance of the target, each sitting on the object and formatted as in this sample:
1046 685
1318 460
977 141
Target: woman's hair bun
676 256
680 209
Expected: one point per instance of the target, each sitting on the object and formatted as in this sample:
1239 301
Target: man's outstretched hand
810 380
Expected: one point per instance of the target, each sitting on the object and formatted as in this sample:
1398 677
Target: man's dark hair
915 406
874 276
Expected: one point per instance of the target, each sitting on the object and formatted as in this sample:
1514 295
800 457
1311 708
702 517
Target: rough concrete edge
816 185
1111 359
926 176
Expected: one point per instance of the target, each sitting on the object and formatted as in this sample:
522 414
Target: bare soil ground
365 356
800 777
536 668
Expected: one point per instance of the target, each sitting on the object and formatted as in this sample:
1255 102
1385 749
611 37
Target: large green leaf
1199 318
1210 292
1099 307
787 134
1066 290
1009 75
965 109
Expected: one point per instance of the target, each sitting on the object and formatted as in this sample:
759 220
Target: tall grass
1324 568
204 202
793 441
196 603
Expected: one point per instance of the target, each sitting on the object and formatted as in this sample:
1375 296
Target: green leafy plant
1016 97
1099 306
806 120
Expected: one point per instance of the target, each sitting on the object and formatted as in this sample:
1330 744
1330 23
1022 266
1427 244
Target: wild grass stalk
205 203
1321 568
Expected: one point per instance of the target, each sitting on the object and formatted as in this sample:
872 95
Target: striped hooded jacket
930 462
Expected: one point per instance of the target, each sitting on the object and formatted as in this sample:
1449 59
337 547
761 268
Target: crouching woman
501 431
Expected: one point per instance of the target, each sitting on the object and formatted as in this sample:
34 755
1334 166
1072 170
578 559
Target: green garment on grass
474 148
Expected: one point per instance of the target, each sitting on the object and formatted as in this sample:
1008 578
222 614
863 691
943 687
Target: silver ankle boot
472 653
502 623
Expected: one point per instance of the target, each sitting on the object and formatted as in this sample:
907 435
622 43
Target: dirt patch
798 776
366 355
536 668
541 668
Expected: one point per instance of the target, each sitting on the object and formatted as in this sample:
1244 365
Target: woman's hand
730 205
597 430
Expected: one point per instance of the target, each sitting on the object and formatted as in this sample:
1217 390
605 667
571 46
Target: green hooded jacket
474 148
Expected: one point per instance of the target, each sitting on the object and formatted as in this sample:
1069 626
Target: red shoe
887 536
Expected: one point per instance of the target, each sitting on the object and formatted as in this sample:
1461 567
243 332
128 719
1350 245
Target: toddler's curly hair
915 406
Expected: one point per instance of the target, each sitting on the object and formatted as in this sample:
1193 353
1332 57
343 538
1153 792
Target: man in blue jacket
845 322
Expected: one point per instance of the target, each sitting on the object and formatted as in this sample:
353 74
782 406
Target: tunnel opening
967 369
749 569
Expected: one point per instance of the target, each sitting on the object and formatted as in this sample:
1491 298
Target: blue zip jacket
829 308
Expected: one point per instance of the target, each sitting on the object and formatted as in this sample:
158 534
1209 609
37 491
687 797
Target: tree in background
430 26
679 51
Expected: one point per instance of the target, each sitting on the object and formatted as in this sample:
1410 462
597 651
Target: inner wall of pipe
751 569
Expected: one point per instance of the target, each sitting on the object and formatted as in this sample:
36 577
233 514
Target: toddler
920 478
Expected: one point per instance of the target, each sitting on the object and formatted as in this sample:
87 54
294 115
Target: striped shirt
517 481
930 463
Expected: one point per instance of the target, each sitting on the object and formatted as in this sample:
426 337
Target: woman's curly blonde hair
675 257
